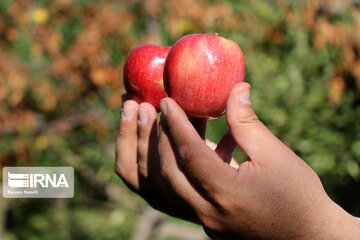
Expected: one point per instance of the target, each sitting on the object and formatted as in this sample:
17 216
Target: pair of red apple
198 72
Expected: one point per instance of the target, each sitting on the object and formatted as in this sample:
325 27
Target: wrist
335 223
345 225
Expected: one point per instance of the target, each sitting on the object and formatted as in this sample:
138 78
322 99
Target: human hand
274 195
138 163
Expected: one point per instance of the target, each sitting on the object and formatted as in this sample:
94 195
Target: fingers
248 132
226 147
199 163
172 174
147 141
126 145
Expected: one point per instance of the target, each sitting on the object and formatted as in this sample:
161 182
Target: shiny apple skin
200 71
143 74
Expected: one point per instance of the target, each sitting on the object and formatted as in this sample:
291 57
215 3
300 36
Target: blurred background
61 85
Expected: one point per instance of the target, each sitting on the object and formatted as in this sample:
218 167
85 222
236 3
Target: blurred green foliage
61 84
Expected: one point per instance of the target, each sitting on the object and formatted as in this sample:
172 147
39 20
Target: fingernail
163 107
127 113
143 116
244 96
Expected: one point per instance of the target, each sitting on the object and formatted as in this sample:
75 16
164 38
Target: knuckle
142 137
127 177
211 224
247 123
123 133
248 117
122 170
143 130
185 151
118 170
224 204
143 143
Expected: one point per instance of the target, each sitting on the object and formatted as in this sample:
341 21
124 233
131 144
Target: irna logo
38 182
20 180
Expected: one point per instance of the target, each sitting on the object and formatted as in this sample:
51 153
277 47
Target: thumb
250 134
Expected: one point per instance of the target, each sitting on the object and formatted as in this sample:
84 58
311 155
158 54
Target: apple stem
216 34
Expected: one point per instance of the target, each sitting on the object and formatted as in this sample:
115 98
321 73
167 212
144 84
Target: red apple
200 71
143 74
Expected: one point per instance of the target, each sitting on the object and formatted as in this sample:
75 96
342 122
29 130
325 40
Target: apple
200 71
143 74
